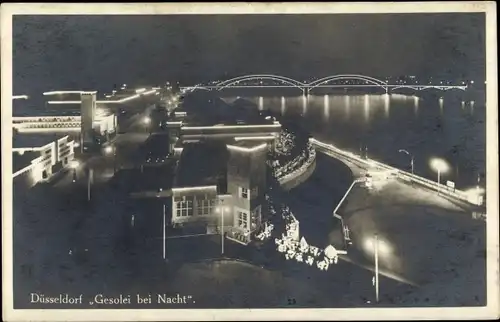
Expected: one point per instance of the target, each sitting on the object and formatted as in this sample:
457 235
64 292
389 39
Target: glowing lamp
439 165
221 208
74 164
384 249
108 149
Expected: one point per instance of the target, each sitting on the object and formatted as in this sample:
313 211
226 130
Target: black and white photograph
191 158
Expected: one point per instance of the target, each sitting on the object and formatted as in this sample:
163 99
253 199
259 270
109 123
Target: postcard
249 161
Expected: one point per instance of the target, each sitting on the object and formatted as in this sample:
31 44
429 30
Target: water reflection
326 102
441 105
387 103
304 104
347 103
416 100
261 103
283 105
366 108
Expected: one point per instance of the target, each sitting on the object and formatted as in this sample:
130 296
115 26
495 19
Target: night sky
95 52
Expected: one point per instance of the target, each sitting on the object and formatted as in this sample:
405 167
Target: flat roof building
37 157
222 183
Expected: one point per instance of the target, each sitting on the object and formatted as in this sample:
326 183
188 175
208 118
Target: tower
87 112
246 182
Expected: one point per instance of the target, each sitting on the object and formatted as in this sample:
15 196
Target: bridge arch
283 79
197 87
367 79
447 88
427 87
416 88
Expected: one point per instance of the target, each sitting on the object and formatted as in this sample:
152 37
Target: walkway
426 238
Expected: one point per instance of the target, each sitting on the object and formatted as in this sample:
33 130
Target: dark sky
94 52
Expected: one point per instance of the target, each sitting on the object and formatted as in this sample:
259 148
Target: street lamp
440 166
74 165
410 155
110 149
377 247
220 209
147 121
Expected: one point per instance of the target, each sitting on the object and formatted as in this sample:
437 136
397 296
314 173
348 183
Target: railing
443 189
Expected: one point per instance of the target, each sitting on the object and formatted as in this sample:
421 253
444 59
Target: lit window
244 193
184 208
242 219
205 207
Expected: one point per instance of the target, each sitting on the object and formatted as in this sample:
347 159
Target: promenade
425 238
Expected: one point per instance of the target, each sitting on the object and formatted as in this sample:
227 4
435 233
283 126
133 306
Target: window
242 219
184 208
244 193
205 207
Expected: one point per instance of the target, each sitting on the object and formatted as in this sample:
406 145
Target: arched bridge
355 80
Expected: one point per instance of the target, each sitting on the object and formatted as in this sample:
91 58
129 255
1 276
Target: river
429 126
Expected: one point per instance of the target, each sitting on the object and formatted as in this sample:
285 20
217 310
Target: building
104 125
221 183
181 133
246 180
37 157
87 112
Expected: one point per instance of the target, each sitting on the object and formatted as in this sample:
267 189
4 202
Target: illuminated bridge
334 81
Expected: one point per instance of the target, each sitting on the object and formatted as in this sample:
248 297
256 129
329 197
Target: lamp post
164 232
377 247
376 266
74 165
111 149
410 155
90 178
147 122
221 209
440 166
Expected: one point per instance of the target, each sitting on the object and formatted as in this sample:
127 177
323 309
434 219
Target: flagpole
164 232
376 267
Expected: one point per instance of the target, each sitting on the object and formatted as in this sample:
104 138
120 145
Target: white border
491 311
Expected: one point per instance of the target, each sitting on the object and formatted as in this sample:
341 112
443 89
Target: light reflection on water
386 123
366 107
326 109
387 105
